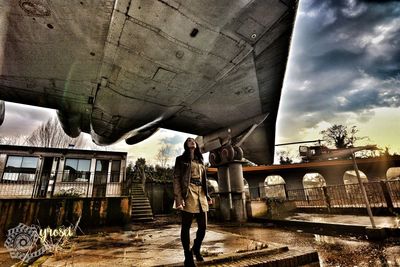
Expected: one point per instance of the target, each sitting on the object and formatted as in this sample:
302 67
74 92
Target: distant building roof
52 150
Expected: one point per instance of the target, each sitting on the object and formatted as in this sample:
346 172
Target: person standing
191 197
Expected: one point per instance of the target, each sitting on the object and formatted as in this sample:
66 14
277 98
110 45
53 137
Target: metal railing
72 189
394 191
380 194
16 189
62 184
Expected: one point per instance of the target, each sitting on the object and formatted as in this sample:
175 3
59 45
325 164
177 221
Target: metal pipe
300 142
364 193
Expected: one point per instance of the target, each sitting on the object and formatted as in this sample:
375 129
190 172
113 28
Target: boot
196 251
189 262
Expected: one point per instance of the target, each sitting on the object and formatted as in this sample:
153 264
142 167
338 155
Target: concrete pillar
224 192
60 171
237 191
109 172
89 192
53 176
386 194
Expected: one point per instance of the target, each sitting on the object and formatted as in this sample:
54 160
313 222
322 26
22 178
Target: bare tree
12 140
340 136
163 155
50 134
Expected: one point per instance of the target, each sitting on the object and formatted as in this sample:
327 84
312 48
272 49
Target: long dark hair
197 154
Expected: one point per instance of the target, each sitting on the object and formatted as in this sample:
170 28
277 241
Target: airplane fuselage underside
123 69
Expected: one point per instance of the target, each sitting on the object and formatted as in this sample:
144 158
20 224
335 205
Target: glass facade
115 171
76 170
20 168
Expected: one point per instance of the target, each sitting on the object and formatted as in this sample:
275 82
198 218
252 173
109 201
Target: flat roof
314 164
33 149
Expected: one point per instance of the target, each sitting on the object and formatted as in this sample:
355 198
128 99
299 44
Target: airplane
122 69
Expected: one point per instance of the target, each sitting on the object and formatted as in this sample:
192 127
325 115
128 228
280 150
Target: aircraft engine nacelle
139 136
2 111
70 123
233 135
214 141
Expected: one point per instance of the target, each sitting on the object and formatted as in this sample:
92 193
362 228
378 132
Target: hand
210 201
180 207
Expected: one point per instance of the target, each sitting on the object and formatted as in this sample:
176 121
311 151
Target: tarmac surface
162 247
355 220
158 243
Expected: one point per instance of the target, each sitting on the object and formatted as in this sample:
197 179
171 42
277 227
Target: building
38 172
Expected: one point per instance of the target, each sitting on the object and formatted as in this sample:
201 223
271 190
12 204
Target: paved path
380 221
162 246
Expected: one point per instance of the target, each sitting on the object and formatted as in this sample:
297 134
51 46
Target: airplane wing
122 69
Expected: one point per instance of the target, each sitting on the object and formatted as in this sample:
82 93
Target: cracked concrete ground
149 247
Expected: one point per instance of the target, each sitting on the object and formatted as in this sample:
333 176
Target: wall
64 211
161 197
256 209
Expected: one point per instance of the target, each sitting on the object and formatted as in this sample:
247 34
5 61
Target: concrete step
139 198
274 257
137 194
137 190
141 208
141 204
142 214
291 258
144 206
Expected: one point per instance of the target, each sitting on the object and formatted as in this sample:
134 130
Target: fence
16 189
88 184
385 194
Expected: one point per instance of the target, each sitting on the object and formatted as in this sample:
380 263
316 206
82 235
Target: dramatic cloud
23 119
344 63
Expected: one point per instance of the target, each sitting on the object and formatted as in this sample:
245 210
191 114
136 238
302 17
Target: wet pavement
156 247
380 221
341 251
158 243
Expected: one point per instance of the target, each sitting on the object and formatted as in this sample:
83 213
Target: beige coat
183 188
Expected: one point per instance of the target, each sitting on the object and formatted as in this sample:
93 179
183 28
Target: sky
343 68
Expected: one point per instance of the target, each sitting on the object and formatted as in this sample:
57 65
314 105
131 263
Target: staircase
141 209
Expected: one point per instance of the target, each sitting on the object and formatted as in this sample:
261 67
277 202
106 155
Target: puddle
332 251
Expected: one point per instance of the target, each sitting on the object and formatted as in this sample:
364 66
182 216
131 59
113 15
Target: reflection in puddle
335 251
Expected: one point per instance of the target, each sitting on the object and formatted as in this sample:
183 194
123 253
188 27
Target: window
115 171
20 168
102 166
76 170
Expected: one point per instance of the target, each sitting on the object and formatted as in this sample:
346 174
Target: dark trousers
187 219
